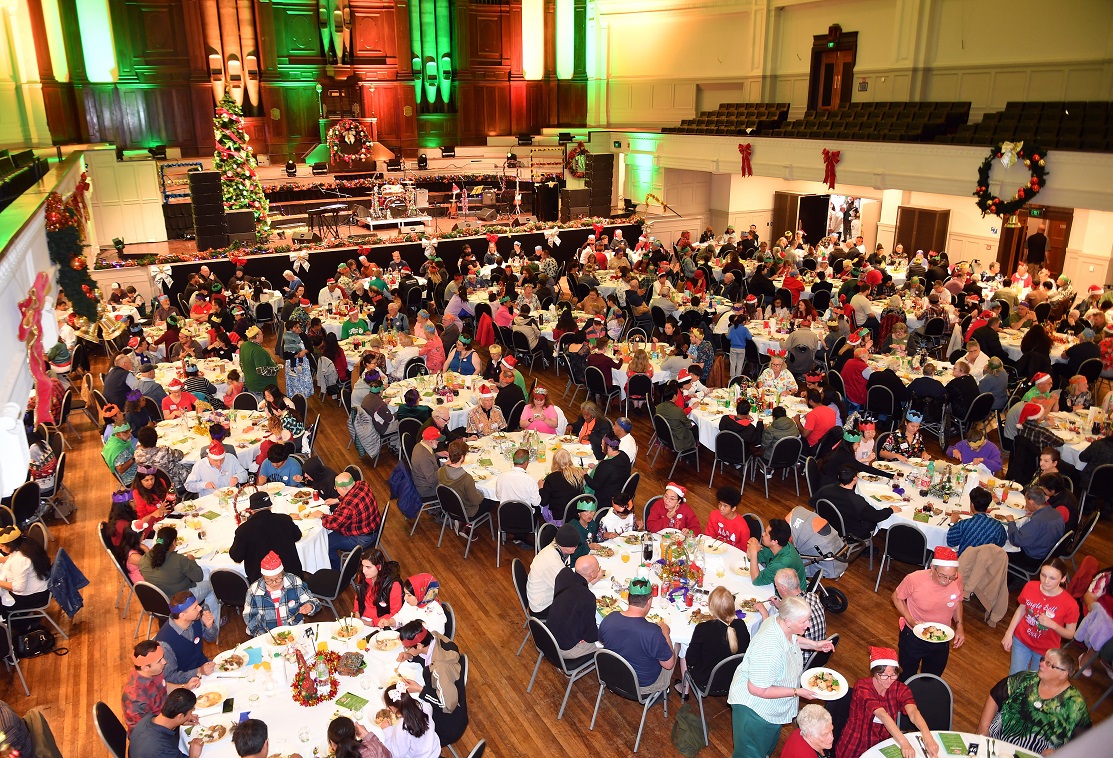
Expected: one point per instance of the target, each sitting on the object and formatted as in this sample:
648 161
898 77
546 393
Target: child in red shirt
1047 615
725 524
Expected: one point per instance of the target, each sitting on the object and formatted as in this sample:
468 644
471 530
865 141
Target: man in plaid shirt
354 521
277 599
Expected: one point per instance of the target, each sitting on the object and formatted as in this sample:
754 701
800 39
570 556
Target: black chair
754 524
125 580
821 301
1091 369
617 675
665 440
521 576
25 504
826 510
514 517
230 588
648 507
827 443
523 351
110 730
979 411
933 334
569 513
630 489
355 471
1027 568
478 750
812 475
880 401
546 533
905 543
1085 529
934 700
718 685
820 657
155 604
449 621
1042 311
639 386
415 367
514 423
453 507
245 401
730 450
327 585
412 427
547 648
597 387
784 456
301 405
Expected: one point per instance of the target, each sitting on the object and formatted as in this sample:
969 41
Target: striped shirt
772 660
979 529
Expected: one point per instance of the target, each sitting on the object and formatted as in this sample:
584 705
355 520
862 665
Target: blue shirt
639 641
284 473
739 337
1039 534
979 529
149 740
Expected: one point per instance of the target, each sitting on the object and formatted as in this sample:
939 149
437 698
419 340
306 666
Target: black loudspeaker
213 242
306 237
395 163
320 169
241 221
488 214
564 138
448 152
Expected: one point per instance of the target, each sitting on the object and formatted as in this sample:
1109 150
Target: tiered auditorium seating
734 118
1055 125
18 173
879 122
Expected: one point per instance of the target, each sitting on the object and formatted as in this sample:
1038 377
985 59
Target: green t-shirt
350 328
787 557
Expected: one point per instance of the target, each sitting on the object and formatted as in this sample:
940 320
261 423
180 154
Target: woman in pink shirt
540 415
504 314
433 349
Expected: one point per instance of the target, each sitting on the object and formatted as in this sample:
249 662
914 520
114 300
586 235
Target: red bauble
1035 157
1020 193
77 263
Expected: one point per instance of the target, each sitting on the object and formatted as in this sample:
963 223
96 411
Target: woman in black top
562 484
714 641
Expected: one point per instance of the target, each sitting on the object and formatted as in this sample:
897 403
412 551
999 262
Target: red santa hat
883 656
216 449
331 281
133 343
854 338
271 565
1041 377
1030 410
175 384
484 391
751 298
944 556
510 362
1096 289
678 489
684 377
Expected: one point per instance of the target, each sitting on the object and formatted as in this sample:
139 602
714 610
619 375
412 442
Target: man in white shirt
976 359
406 353
517 484
626 441
216 470
545 567
661 295
330 294
588 250
863 308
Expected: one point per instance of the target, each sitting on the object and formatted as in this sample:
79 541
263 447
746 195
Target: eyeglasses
886 676
1052 666
946 577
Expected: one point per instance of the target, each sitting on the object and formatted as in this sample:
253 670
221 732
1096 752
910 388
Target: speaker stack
599 182
573 204
241 225
208 210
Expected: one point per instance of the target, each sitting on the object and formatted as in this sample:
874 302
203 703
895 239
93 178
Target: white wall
23 123
127 202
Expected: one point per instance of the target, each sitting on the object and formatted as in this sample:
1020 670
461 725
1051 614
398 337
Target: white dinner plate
839 684
920 629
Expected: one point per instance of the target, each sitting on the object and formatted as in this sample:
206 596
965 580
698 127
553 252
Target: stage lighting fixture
525 139
320 168
511 160
291 169
158 152
564 138
448 152
422 162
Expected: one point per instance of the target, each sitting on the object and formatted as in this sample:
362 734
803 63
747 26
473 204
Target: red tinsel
744 149
830 160
30 331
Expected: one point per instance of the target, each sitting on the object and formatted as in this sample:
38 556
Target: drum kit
393 200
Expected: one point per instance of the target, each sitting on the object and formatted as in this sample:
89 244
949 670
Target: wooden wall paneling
61 112
256 129
403 63
296 37
154 35
486 35
571 102
296 130
528 106
266 34
374 38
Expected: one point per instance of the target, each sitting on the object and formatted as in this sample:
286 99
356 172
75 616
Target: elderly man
119 380
451 332
217 469
256 364
181 637
621 428
1039 533
424 464
277 599
646 646
932 595
395 321
354 521
787 584
262 532
571 616
330 294
485 418
158 735
516 483
541 582
119 453
439 420
354 326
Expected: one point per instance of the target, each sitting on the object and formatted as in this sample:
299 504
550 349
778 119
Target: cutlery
923 747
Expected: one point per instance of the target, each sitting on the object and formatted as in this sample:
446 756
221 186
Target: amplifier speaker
488 214
306 237
245 237
240 221
490 198
212 242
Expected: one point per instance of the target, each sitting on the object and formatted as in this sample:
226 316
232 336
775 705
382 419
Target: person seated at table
412 407
1077 397
593 304
277 598
713 641
744 425
454 476
486 417
170 571
433 350
196 385
1022 317
276 435
177 402
639 364
222 345
215 471
673 512
181 638
858 516
463 359
1040 532
646 646
726 523
419 323
864 449
590 427
977 449
571 617
905 441
280 466
876 703
201 307
420 603
779 428
776 377
540 415
774 551
887 377
442 685
1061 498
153 494
24 572
119 452
977 529
620 519
608 477
587 527
669 334
777 310
378 587
404 728
1038 711
146 688
261 532
962 390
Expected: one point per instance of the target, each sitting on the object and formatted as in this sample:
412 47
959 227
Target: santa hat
484 391
854 338
175 384
271 565
945 556
1030 410
216 449
683 377
883 656
679 490
1041 377
331 281
751 298
1096 289
510 362
133 343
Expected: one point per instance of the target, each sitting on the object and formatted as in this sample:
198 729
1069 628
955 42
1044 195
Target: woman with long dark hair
406 729
379 592
24 570
129 551
335 353
150 490
347 739
172 572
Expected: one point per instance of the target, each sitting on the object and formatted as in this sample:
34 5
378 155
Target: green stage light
96 40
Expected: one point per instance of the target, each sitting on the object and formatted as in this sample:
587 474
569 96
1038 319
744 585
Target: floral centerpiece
678 565
313 685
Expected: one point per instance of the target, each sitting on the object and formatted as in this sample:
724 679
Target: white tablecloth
490 450
352 352
1011 339
293 728
721 403
465 397
1001 749
247 430
213 369
1062 423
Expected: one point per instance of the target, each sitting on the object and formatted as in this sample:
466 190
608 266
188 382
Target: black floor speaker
489 214
306 237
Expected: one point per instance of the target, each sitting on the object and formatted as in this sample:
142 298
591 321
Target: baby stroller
824 552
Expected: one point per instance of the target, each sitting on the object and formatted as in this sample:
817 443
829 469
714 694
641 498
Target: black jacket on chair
263 532
608 477
858 516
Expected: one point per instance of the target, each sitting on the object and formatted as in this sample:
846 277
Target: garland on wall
575 163
1035 160
421 178
351 134
65 240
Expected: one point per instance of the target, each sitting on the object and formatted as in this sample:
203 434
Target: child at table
864 449
620 519
726 524
276 434
235 387
639 365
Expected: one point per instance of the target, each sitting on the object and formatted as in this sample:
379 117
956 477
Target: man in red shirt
930 596
354 521
145 690
816 422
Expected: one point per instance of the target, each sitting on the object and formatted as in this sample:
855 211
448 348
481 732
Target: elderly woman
433 349
977 448
591 427
540 415
776 377
905 441
875 704
814 735
766 686
702 353
485 418
995 381
1078 396
1038 711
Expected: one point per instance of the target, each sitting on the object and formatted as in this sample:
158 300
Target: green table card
1020 754
892 751
210 515
953 744
485 462
922 517
351 702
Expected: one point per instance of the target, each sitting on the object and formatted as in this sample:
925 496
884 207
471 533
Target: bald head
587 566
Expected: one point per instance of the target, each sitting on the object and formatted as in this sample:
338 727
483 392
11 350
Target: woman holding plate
875 704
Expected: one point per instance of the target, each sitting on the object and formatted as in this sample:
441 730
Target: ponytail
414 719
164 541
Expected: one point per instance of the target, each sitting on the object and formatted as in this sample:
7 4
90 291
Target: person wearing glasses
929 596
876 703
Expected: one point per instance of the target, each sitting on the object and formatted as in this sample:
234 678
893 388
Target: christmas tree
236 164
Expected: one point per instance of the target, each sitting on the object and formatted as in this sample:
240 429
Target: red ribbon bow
492 237
598 230
238 260
745 150
30 331
830 160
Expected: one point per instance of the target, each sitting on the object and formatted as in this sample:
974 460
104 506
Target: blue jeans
1023 658
338 543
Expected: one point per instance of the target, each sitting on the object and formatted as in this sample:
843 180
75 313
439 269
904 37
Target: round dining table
491 455
464 398
198 330
260 687
354 346
190 433
718 403
952 743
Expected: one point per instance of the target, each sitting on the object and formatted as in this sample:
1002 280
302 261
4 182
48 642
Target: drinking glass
625 557
251 674
303 734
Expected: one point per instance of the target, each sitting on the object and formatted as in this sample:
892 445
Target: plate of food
348 628
351 664
654 618
606 605
699 615
633 538
209 699
208 734
273 487
714 547
385 642
747 604
302 496
603 551
385 717
824 683
934 632
229 660
282 637
886 497
740 569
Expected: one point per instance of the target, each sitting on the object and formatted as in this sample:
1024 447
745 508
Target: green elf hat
640 586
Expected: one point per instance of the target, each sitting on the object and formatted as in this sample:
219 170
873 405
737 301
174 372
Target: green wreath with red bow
348 141
1035 160
575 162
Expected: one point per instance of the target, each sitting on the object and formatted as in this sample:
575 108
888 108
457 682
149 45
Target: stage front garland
348 141
1035 160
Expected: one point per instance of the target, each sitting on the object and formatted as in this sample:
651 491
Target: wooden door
1011 249
836 71
786 210
1058 230
921 229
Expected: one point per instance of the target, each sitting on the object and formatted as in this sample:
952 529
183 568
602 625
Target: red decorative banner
745 151
830 160
30 331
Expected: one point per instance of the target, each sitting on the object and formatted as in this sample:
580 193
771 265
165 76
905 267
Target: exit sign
830 44
1035 212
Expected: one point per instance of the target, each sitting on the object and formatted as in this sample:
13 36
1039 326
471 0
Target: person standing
1037 247
262 532
256 364
932 596
1045 617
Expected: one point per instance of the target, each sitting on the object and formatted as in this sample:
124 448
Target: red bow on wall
238 260
492 237
598 230
745 150
830 160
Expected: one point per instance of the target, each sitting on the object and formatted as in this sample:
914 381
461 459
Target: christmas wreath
304 688
348 142
575 162
1035 160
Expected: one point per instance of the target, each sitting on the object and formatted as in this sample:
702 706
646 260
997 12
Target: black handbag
37 642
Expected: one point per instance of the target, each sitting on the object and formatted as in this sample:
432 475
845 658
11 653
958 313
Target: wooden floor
489 619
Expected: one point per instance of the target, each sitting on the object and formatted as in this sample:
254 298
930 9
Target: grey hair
1037 495
813 720
787 579
795 609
